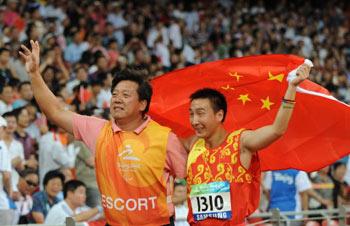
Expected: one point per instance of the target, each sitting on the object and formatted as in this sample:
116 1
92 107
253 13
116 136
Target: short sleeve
268 180
303 182
176 158
87 129
5 161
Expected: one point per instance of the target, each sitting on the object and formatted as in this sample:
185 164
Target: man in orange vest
223 171
134 155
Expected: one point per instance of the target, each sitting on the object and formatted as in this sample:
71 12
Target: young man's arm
47 101
254 140
6 179
86 215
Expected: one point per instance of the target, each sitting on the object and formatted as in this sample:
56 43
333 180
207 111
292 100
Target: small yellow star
236 75
278 77
244 98
227 87
266 103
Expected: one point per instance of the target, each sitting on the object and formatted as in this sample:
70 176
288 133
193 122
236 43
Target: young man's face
203 118
5 57
11 124
53 187
31 182
26 92
7 94
79 196
23 119
180 194
125 101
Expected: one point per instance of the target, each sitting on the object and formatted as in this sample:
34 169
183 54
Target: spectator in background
7 73
85 172
15 149
74 51
80 76
29 144
287 190
337 174
52 152
323 184
104 96
44 200
25 95
6 98
27 184
179 201
7 215
73 205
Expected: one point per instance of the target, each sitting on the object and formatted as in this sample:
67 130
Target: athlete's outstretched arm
47 101
254 140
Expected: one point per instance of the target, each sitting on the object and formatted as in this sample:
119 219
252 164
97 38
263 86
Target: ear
219 115
143 105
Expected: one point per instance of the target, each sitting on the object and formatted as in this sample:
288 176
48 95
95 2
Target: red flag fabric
319 130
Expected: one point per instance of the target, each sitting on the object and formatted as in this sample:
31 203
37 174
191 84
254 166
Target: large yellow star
244 98
278 77
266 103
236 75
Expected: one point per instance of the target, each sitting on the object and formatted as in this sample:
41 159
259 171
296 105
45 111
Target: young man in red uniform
223 171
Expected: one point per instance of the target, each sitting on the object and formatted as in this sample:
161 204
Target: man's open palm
32 58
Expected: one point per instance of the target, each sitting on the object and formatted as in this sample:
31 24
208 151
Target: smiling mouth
118 108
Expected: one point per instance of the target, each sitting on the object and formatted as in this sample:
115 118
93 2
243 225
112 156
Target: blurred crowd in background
83 43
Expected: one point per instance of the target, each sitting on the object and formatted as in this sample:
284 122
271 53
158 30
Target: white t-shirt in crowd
181 213
15 150
59 212
302 183
5 166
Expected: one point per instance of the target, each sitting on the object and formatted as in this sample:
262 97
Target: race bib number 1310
211 200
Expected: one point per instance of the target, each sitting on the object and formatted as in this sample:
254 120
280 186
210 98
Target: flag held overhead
318 133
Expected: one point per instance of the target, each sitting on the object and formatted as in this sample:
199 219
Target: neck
216 138
70 204
8 137
20 130
129 124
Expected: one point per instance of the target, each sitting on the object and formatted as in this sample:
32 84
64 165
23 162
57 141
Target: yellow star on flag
244 98
266 103
236 75
278 77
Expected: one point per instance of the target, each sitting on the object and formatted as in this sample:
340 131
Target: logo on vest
128 162
127 154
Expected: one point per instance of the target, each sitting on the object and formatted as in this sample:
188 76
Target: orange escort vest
129 172
223 164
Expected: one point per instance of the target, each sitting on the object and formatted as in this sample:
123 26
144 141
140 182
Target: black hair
27 172
3 86
16 112
21 84
72 185
52 175
4 49
9 114
217 99
336 165
138 75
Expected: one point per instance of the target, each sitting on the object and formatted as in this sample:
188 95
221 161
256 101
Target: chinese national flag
318 133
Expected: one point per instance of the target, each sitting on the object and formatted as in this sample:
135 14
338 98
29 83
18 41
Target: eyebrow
198 109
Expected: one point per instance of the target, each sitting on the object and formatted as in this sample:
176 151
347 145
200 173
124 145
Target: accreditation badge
211 200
